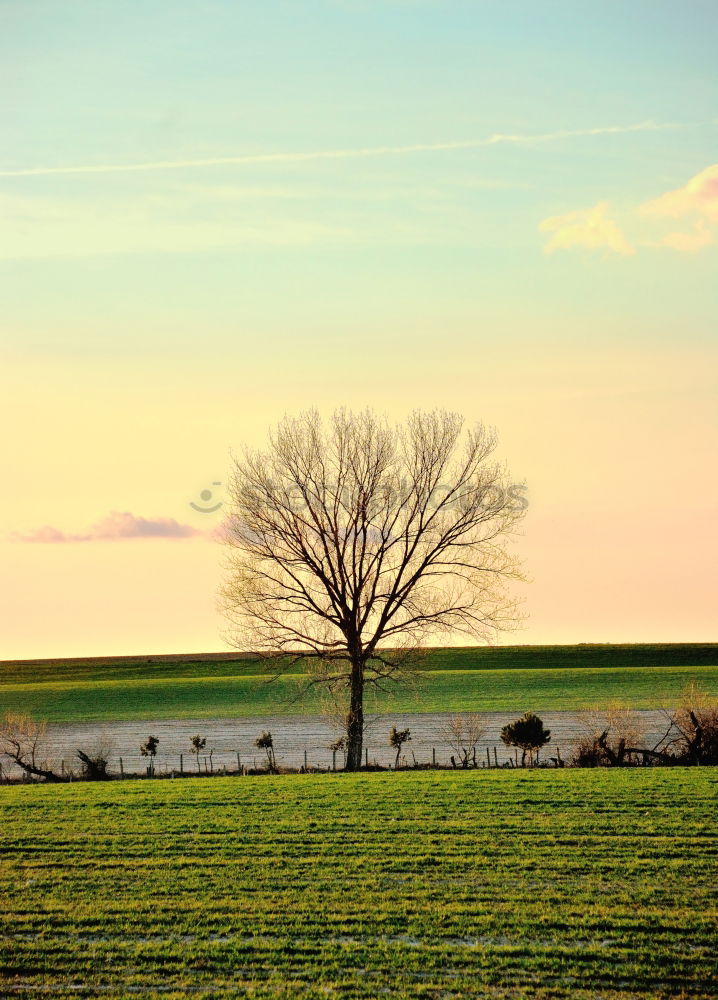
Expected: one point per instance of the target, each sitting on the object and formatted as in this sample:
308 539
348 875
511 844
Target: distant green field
442 691
583 655
540 678
561 885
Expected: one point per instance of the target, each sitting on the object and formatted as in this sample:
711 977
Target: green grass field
561 884
542 678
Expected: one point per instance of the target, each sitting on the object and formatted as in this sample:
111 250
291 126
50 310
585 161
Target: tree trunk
695 743
355 718
38 772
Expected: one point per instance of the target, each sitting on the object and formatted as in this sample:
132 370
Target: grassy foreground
561 884
478 679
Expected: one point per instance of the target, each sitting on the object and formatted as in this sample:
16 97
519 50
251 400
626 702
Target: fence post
62 767
239 763
334 760
122 770
488 758
181 763
366 756
433 756
305 760
496 759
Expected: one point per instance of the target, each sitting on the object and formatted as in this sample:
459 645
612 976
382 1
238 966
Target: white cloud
590 228
335 154
696 202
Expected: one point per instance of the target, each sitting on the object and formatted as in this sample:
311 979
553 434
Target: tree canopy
352 543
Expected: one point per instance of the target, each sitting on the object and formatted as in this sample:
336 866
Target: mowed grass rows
560 884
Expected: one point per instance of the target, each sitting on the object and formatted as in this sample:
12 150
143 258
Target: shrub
527 733
198 743
340 744
397 739
149 749
611 737
696 725
94 766
266 743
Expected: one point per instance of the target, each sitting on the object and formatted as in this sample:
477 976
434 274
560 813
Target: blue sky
495 214
88 84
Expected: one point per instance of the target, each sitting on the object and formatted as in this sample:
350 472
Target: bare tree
351 544
463 732
22 740
610 736
693 734
616 737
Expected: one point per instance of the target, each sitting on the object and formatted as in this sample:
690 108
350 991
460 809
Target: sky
213 213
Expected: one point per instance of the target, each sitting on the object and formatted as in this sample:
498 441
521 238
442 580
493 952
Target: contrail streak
334 154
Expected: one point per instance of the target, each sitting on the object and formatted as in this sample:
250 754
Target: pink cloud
46 534
698 197
117 526
589 227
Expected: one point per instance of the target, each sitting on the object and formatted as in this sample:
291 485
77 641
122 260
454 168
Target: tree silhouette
527 733
350 545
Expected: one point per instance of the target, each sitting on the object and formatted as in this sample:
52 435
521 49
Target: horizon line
254 654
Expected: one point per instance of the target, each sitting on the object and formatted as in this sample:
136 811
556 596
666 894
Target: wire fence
299 742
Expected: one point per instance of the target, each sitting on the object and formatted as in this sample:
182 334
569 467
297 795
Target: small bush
149 749
397 739
198 743
266 743
94 766
528 733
